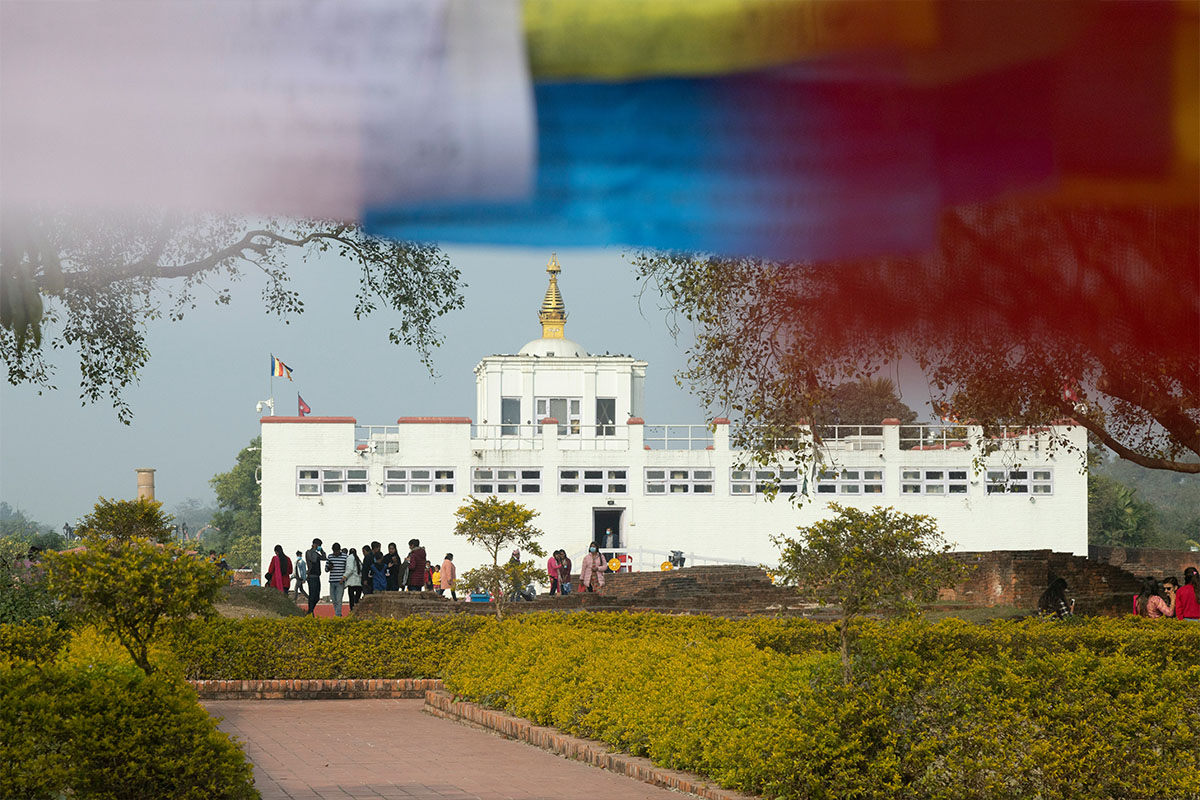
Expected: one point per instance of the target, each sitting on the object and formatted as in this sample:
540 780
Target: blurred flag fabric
280 369
308 108
815 130
302 407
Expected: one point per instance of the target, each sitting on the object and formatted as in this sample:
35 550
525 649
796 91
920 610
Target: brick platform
442 704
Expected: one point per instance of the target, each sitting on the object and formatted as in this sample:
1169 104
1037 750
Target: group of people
351 575
1167 598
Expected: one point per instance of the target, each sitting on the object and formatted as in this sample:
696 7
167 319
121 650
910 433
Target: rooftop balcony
636 434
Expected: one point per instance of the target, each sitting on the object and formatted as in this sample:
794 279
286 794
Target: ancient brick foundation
373 689
1143 561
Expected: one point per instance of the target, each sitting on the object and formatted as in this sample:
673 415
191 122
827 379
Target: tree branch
1132 455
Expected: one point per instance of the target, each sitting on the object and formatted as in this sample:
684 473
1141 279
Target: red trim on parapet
635 421
434 421
721 421
549 421
311 420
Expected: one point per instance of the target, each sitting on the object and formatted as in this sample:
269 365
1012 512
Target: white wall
719 525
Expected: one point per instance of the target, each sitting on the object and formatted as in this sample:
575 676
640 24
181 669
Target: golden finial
553 315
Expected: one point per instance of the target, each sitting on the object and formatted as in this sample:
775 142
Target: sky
195 405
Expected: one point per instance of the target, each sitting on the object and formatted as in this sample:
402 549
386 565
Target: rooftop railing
677 437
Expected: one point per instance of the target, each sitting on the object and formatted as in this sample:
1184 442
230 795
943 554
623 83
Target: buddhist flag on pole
280 369
303 406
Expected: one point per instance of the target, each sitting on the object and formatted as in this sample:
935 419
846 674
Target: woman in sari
279 574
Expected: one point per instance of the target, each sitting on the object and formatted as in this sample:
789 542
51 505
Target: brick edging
442 704
276 689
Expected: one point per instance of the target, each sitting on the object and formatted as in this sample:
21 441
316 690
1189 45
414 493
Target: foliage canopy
92 283
130 579
1024 315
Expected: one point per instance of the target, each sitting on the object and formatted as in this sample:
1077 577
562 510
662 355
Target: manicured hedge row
111 733
309 648
1033 720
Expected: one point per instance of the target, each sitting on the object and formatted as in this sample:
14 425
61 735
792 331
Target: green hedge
111 733
965 713
310 648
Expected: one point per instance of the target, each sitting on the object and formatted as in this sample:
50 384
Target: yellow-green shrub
313 649
1030 719
111 733
34 641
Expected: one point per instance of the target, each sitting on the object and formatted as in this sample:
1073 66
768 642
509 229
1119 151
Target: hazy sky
195 406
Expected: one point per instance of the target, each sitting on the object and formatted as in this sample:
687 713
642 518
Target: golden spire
554 313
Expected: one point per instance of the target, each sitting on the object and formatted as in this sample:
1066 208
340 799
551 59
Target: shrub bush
309 648
108 733
938 711
36 641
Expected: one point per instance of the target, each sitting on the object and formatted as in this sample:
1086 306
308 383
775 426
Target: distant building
564 432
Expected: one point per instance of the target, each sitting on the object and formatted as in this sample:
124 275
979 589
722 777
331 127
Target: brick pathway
372 749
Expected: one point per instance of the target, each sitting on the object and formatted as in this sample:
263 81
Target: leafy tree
1174 496
194 513
867 401
130 579
496 526
239 520
126 520
91 283
1023 315
1116 516
17 527
865 562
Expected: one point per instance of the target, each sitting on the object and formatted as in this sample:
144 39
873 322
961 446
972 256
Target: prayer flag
280 369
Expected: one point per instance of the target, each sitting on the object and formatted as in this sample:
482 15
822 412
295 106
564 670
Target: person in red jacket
1187 604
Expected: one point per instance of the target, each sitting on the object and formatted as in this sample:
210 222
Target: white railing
377 439
677 437
506 437
934 437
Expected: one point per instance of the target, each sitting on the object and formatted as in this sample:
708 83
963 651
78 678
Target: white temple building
566 433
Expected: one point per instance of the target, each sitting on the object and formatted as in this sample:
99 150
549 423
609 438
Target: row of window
663 480
567 410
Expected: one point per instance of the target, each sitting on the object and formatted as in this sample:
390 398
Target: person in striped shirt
335 565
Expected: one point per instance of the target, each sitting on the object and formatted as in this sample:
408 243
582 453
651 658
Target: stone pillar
145 484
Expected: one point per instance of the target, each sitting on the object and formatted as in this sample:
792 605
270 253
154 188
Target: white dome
558 348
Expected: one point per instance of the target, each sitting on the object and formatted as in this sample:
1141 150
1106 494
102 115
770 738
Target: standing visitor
1187 599
368 561
392 567
553 566
564 572
300 574
353 578
335 565
279 574
449 576
417 562
313 557
591 571
378 568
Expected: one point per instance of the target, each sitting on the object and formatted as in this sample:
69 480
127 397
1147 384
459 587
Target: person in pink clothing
552 567
1187 601
591 570
1150 602
448 576
279 574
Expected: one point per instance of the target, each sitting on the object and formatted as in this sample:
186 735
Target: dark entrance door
604 519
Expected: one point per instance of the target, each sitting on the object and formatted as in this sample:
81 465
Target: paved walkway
371 749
